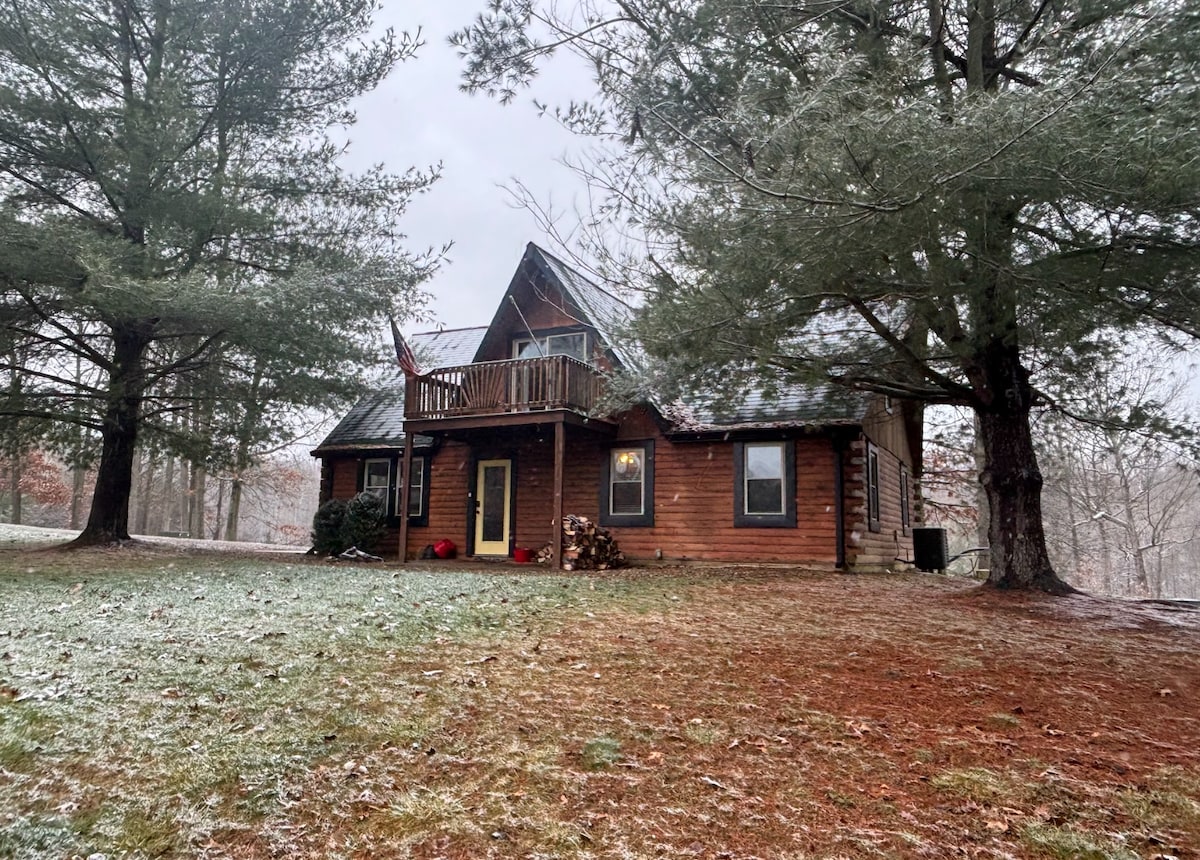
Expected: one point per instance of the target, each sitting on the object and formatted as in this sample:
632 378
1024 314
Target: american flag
404 353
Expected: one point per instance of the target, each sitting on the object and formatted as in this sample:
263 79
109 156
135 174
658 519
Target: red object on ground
445 549
522 554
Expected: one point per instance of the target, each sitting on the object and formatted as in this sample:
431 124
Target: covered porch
521 472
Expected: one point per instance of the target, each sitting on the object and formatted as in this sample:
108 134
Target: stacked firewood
587 546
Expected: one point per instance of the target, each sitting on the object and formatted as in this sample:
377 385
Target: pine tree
958 202
174 216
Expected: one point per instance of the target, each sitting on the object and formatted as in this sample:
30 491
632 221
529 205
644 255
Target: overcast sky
419 117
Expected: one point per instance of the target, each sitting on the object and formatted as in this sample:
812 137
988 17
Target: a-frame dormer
549 341
538 369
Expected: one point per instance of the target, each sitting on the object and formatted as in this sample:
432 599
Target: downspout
839 500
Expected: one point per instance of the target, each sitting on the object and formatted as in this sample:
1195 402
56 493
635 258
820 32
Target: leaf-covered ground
154 704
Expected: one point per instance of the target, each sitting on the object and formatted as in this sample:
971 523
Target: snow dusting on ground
11 535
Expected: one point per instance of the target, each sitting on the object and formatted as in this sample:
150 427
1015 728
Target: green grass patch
980 785
1170 799
236 687
1063 843
599 753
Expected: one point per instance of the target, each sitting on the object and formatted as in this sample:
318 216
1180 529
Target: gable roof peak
589 304
556 263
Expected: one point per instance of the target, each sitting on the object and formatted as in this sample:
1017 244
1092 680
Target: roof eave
746 428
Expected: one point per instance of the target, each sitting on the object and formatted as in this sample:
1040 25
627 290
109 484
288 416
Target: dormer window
573 344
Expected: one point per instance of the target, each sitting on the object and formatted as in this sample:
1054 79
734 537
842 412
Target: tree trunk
197 490
78 477
235 509
108 521
984 524
143 517
1013 482
1128 516
216 535
15 482
242 462
162 511
135 489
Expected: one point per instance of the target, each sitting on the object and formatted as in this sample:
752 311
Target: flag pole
408 364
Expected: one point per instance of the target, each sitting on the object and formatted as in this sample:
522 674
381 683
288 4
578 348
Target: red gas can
445 548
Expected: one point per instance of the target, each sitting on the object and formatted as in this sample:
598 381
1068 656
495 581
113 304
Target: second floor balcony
492 388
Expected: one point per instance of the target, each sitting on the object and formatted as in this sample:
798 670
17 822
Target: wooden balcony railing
501 387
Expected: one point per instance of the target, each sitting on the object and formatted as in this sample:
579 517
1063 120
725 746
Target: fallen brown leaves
824 716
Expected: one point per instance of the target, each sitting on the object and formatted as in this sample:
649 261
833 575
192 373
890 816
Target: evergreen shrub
327 527
365 522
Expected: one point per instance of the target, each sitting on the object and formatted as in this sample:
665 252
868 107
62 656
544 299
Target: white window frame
417 483
613 480
781 449
382 490
545 342
872 476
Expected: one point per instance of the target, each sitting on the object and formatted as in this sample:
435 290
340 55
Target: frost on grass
188 708
216 693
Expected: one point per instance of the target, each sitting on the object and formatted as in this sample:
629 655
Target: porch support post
560 450
405 483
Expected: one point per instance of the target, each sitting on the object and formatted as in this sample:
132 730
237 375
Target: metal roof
447 348
803 405
609 314
375 421
378 419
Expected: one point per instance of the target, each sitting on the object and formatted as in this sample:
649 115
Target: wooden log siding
693 501
498 387
449 482
447 498
865 548
694 516
345 476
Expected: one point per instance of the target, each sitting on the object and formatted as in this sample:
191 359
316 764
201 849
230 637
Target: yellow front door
493 494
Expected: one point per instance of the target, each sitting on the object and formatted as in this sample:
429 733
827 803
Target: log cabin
509 435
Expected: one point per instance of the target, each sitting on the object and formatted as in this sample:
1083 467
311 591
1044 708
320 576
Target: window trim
544 338
365 469
421 468
646 517
395 464
871 478
786 519
905 500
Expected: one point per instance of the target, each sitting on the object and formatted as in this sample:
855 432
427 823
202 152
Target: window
872 488
573 344
764 491
905 509
382 477
416 490
377 476
764 479
627 489
627 475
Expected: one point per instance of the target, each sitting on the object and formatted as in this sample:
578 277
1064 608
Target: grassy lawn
154 704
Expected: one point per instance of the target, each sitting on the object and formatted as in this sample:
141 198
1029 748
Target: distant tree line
278 497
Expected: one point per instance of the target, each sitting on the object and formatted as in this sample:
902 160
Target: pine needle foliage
178 235
959 202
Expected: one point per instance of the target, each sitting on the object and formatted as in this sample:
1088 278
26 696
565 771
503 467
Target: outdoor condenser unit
930 550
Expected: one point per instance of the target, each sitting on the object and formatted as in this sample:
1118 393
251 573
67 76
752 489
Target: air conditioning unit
930 549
